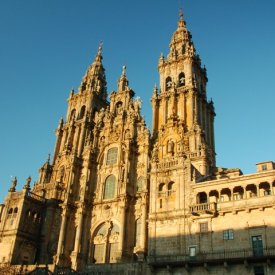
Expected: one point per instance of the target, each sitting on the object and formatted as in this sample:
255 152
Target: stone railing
215 257
254 202
167 164
203 207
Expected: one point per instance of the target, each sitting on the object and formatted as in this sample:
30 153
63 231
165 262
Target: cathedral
117 198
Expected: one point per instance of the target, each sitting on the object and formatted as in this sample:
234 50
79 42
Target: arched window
82 112
170 188
72 116
111 156
140 184
10 211
168 83
109 190
137 232
105 243
181 79
99 244
15 210
161 187
202 197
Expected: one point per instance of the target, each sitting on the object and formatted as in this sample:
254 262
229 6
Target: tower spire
94 80
123 81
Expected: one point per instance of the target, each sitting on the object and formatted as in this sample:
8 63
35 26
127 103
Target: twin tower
112 188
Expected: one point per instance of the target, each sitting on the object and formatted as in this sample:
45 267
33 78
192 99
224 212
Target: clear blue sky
46 47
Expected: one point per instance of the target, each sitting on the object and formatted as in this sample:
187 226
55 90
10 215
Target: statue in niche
155 152
137 105
119 108
100 115
170 146
127 134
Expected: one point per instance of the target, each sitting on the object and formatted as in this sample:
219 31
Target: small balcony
203 208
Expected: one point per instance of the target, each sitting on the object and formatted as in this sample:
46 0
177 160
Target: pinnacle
98 57
181 22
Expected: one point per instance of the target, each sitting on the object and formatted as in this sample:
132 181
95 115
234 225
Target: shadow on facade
247 251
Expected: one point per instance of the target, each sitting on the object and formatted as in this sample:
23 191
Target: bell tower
183 149
181 104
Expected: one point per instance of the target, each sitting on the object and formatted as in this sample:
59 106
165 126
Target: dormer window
168 83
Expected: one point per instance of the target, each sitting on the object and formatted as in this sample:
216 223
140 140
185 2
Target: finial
155 91
49 158
13 185
161 59
124 70
181 14
181 22
100 47
71 93
28 183
98 57
99 52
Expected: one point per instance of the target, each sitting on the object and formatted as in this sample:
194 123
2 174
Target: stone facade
116 199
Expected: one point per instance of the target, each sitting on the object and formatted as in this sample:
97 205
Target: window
82 112
109 191
257 245
105 244
204 227
228 234
170 188
264 167
181 79
168 83
72 115
192 251
258 270
161 187
111 156
160 203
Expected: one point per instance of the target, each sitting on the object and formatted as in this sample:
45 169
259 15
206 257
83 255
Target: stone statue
13 185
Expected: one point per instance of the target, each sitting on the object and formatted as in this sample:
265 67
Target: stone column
77 243
81 142
122 231
143 223
60 246
63 140
57 144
